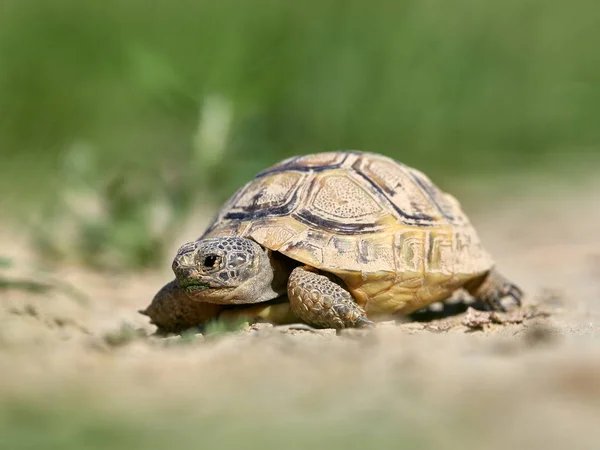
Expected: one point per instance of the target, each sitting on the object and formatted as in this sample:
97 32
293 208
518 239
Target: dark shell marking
395 238
338 200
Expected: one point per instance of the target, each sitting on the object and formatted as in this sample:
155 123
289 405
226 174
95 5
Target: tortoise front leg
321 302
172 311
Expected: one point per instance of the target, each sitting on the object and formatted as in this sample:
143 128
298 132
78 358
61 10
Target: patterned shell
398 242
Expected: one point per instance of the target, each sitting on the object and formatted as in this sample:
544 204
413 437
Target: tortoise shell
396 240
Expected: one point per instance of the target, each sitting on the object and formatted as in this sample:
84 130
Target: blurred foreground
78 369
124 124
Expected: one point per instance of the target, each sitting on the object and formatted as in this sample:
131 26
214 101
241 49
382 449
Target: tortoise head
227 270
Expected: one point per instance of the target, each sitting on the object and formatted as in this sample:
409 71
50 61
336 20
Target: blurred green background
117 116
121 120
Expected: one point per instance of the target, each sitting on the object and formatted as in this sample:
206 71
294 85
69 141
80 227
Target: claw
496 302
510 290
363 322
516 294
494 288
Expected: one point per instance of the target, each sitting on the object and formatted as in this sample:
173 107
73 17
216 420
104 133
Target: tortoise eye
211 261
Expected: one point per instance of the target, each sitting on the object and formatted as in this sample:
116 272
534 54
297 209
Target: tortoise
337 239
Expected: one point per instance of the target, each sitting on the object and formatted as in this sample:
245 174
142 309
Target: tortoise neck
282 267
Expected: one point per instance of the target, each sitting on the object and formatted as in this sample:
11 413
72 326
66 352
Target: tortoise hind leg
321 302
492 288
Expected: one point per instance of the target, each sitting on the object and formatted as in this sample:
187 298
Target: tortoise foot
493 288
323 303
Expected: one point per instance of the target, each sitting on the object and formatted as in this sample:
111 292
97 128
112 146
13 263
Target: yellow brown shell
398 242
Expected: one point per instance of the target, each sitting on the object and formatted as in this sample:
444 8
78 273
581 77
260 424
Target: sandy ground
529 380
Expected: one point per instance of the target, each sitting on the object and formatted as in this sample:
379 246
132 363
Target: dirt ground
529 379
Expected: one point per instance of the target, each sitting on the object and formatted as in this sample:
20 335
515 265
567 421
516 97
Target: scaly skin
315 209
492 288
172 311
321 302
213 276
